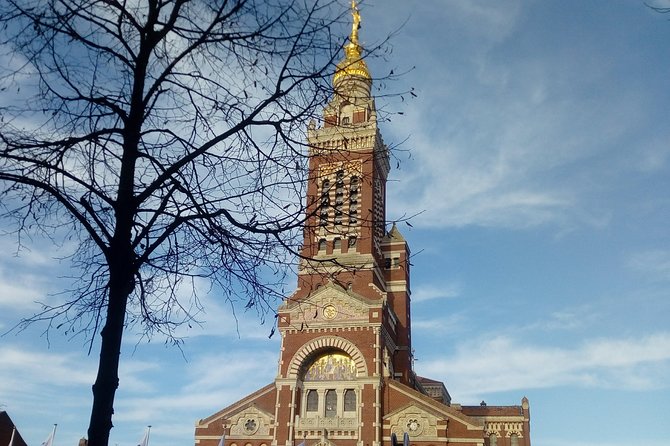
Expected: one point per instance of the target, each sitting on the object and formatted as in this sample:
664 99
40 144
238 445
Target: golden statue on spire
356 24
353 64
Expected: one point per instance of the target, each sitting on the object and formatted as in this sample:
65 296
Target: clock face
329 311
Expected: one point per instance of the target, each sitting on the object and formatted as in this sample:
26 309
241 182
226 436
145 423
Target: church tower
345 370
347 325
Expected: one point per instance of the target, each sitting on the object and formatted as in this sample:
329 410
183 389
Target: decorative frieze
504 428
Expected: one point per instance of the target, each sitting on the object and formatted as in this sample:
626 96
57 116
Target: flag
11 440
145 438
50 439
222 442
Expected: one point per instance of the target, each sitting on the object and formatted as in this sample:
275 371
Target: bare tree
165 138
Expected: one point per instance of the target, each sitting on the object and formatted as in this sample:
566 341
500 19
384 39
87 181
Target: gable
261 401
413 405
329 305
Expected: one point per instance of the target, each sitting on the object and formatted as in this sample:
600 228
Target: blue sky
538 154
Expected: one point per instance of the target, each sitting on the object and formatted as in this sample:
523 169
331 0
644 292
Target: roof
6 427
424 380
480 411
394 234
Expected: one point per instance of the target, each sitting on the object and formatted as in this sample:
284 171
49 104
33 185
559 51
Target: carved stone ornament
329 311
251 426
250 421
413 426
414 421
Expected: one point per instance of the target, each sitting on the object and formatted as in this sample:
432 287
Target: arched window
514 440
322 244
331 404
312 401
353 213
337 243
493 440
352 242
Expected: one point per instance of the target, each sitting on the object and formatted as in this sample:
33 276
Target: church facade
345 372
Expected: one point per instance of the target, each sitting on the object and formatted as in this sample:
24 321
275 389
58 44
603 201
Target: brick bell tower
347 326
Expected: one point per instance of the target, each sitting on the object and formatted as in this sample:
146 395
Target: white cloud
30 275
524 141
503 364
205 373
424 293
454 323
30 370
492 22
567 319
655 264
202 391
213 316
20 291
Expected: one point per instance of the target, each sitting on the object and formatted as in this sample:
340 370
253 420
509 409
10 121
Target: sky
536 157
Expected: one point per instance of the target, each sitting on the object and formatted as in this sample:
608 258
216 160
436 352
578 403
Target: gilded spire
353 63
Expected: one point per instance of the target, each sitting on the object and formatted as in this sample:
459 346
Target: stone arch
322 344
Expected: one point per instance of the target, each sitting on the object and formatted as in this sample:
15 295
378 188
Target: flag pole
11 440
222 441
148 433
50 439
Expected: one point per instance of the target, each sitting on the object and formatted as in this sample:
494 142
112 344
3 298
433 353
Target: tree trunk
121 261
107 380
